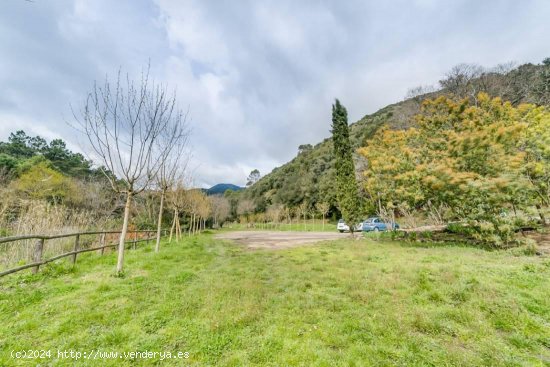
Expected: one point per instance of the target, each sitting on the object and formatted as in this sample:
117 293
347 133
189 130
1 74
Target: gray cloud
259 76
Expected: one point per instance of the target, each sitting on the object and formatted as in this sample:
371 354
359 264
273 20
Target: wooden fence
38 260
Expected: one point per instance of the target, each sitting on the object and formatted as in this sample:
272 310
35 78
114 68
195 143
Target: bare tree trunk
323 221
120 261
159 224
173 225
179 228
178 225
194 225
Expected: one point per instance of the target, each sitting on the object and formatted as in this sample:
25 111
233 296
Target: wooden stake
38 251
76 246
102 243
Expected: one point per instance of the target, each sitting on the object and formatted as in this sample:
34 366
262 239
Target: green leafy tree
8 164
22 147
73 164
233 198
19 145
346 184
541 87
42 182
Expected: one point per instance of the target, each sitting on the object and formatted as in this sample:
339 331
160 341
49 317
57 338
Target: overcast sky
259 77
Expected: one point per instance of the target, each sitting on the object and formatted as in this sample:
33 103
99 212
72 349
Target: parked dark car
376 224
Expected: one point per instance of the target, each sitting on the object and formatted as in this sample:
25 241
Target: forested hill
308 178
222 188
22 151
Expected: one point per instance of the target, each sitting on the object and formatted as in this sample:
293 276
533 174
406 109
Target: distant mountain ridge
222 188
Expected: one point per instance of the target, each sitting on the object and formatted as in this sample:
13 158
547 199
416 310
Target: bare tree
172 167
274 213
220 209
204 210
288 213
323 208
302 209
460 80
312 213
245 207
123 121
178 201
253 177
196 207
419 93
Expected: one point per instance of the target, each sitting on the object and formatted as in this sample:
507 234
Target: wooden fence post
38 251
135 239
102 243
76 245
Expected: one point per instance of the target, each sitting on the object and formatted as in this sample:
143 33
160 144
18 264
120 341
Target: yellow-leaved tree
476 163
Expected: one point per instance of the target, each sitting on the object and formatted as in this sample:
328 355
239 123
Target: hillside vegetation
338 304
47 188
473 151
308 177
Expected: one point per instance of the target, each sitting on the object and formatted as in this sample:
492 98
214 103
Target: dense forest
42 180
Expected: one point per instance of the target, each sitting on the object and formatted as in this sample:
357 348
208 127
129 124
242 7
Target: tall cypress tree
346 190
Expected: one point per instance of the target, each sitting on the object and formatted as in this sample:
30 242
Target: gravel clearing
279 239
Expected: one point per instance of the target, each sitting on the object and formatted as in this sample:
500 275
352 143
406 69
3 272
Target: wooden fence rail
37 258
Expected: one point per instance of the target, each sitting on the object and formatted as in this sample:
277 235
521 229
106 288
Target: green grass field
348 302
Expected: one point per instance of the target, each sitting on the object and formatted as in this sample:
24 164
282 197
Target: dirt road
279 240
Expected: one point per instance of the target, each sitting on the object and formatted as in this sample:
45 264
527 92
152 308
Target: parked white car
343 227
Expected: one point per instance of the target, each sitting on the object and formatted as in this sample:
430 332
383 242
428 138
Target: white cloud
259 77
